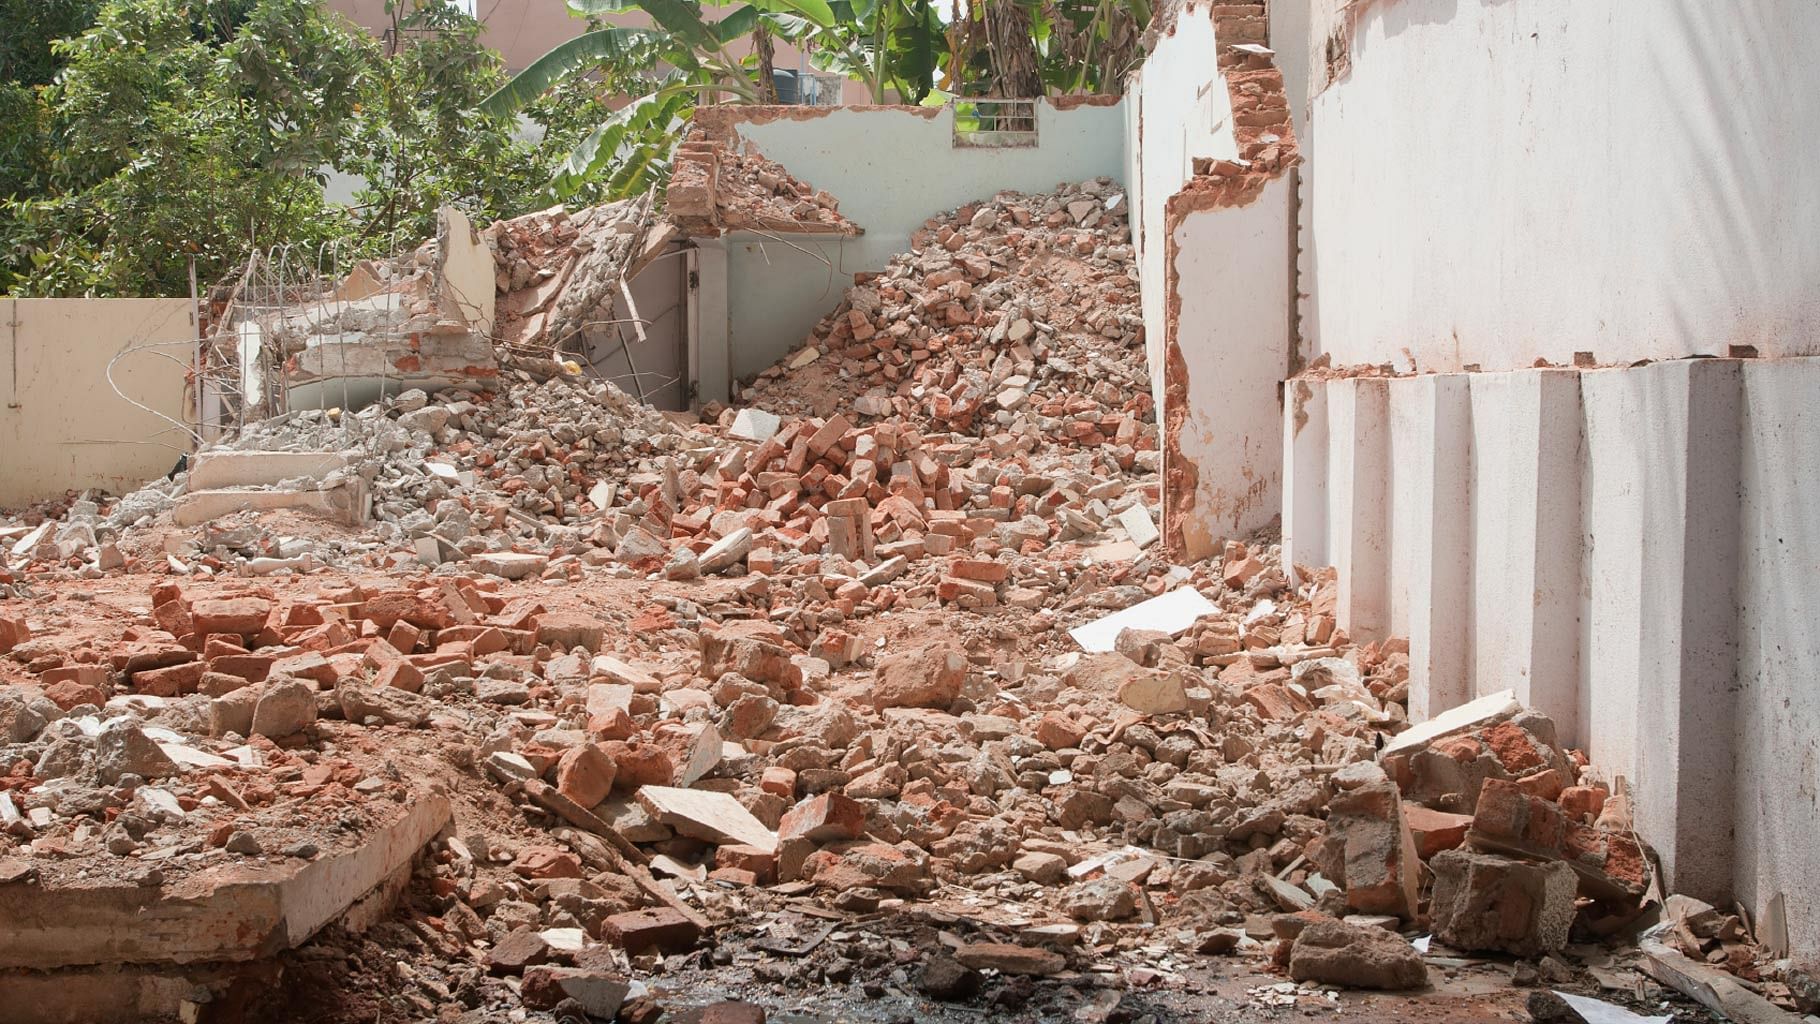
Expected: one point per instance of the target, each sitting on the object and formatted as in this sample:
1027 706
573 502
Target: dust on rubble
781 714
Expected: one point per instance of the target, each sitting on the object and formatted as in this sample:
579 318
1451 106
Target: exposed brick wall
1267 149
720 182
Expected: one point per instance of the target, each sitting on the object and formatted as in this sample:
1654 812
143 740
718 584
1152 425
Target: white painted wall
1635 551
1497 182
1777 785
1183 111
92 394
891 169
1232 270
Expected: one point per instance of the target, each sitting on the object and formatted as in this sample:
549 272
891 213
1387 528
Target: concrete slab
1471 715
754 425
216 470
238 912
705 815
345 503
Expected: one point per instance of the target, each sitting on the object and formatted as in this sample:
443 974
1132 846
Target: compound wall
92 394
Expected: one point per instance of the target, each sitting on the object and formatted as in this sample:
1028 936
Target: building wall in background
62 426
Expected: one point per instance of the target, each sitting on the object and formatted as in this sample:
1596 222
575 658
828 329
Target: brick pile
721 183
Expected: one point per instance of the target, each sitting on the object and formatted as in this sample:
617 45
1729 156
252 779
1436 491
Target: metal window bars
994 122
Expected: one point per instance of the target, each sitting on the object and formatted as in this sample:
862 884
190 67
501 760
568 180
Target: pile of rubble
1243 785
879 684
722 184
989 396
558 272
530 463
998 403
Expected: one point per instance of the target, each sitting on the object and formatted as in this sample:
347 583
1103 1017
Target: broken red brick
173 681
659 929
824 818
386 609
401 674
585 774
245 616
540 862
1509 820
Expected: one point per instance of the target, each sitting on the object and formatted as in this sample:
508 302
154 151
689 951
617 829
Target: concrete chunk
708 816
754 425
1468 716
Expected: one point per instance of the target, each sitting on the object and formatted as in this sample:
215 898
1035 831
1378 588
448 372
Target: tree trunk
1011 51
767 79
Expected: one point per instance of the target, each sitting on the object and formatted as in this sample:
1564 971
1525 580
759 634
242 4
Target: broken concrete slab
1171 613
1139 526
213 470
709 816
754 425
1710 987
235 912
347 503
1473 714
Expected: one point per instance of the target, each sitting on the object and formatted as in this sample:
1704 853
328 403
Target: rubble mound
1018 315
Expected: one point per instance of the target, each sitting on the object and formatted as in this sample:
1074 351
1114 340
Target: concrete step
223 469
224 482
348 503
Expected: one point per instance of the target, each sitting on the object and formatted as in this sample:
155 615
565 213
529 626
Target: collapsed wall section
1631 550
1215 159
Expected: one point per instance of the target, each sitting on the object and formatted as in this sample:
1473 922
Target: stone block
659 928
1487 902
1336 953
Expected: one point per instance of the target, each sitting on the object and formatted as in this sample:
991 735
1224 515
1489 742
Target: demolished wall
1216 204
1593 536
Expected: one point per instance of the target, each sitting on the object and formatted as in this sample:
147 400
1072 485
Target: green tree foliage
27 65
683 59
417 141
180 128
900 49
176 129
